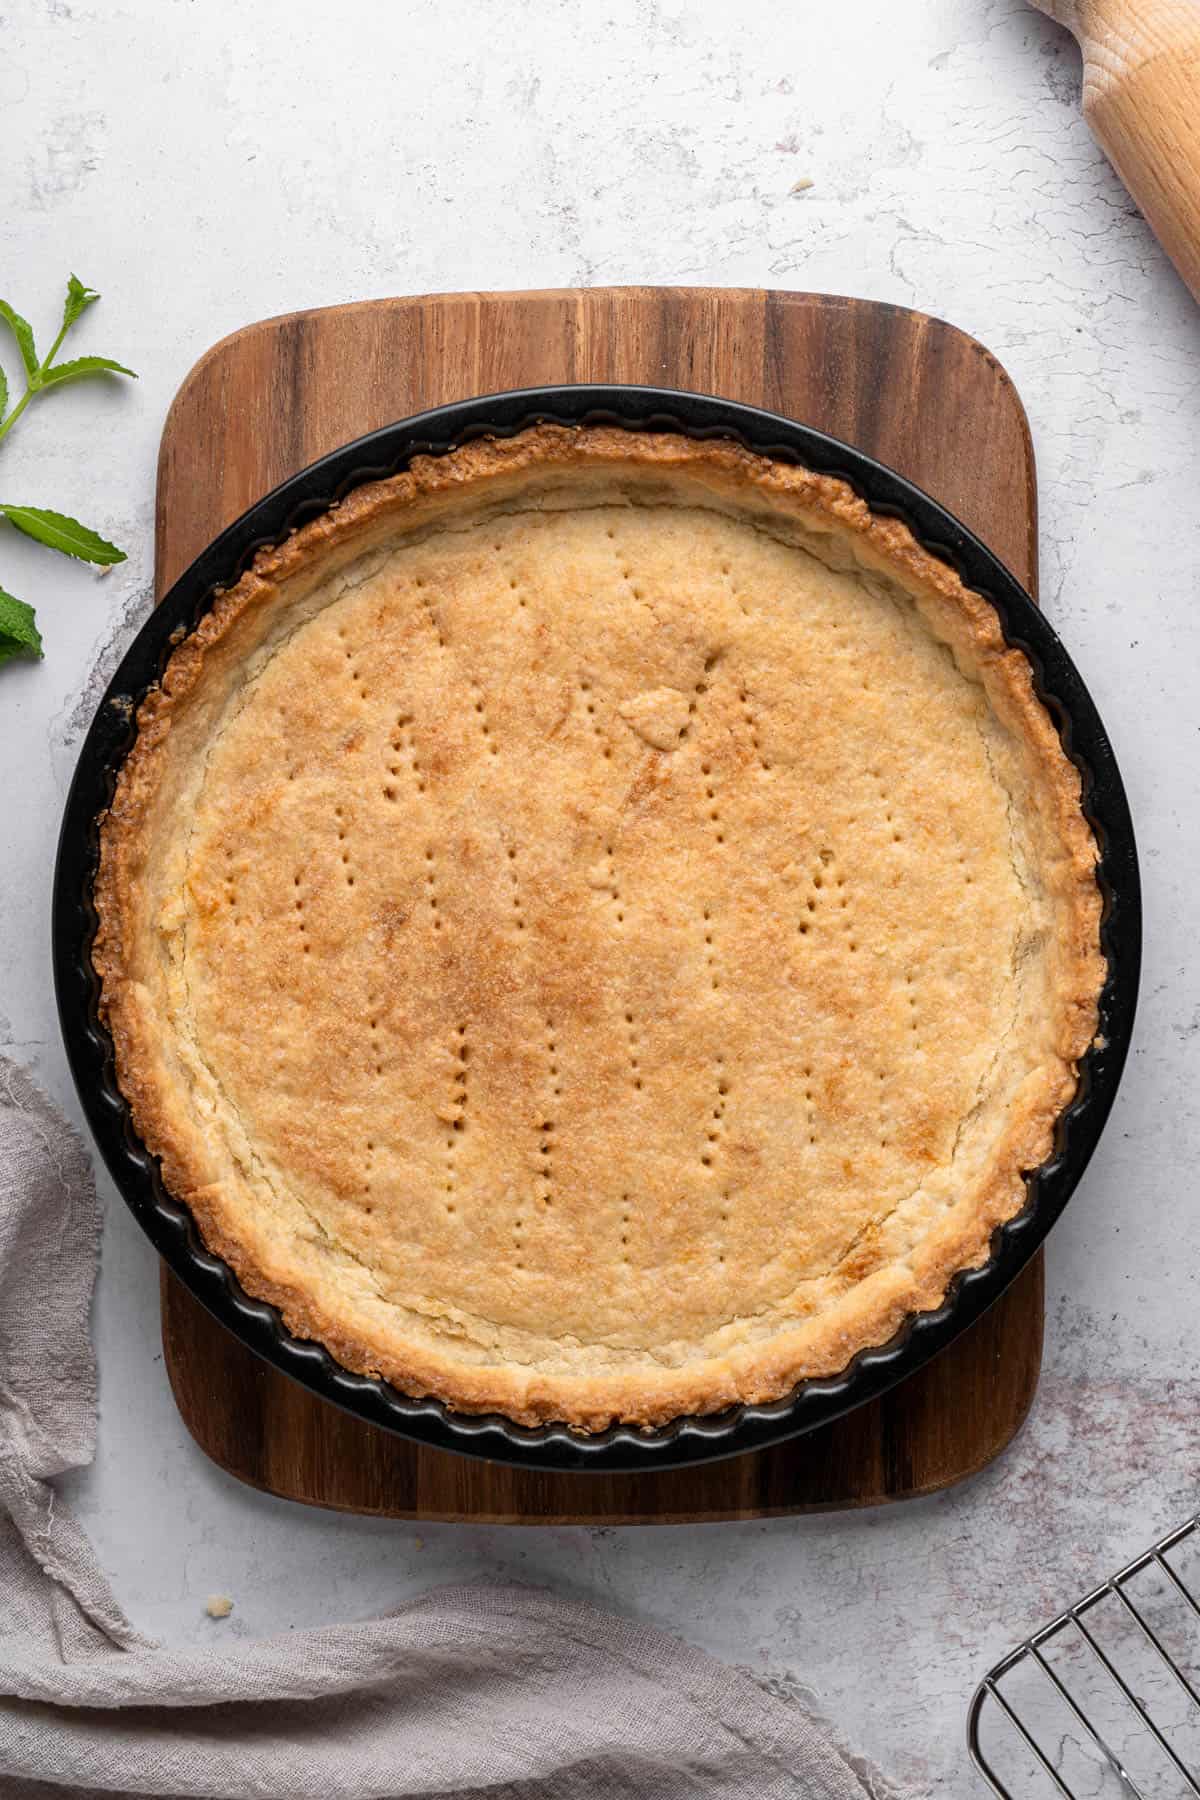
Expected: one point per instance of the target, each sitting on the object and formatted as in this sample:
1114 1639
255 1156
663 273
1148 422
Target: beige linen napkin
505 1691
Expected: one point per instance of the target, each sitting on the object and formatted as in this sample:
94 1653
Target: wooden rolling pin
1141 97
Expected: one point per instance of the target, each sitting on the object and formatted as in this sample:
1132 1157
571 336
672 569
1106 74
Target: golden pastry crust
596 926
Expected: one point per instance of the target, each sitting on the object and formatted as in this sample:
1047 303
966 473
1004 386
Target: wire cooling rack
1105 1699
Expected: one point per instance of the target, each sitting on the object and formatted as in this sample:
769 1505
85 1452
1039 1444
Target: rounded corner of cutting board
912 390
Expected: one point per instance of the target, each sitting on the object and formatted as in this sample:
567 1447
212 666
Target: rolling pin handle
1141 97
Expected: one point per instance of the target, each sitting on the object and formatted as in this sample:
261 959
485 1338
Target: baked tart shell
552 1316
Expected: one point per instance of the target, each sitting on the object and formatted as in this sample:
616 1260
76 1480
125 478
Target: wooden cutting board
912 391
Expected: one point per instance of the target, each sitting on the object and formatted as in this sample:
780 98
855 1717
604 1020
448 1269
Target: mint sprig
81 368
23 332
19 635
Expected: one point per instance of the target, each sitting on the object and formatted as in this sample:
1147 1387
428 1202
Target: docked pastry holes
298 908
588 697
914 1008
402 745
514 586
636 1081
456 1121
343 846
700 689
514 888
811 904
548 1125
891 824
710 799
715 1123
618 904
810 1106
748 715
431 889
710 950
230 883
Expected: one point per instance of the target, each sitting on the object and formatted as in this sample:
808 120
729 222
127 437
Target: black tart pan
167 1222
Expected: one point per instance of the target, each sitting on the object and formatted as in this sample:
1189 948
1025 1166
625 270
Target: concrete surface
208 164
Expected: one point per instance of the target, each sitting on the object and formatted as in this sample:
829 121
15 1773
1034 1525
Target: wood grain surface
910 390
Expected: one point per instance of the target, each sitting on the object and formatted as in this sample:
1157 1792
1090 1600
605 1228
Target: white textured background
210 163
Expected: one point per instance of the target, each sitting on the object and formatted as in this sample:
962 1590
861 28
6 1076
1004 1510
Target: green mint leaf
23 332
79 370
61 533
79 298
3 393
19 635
